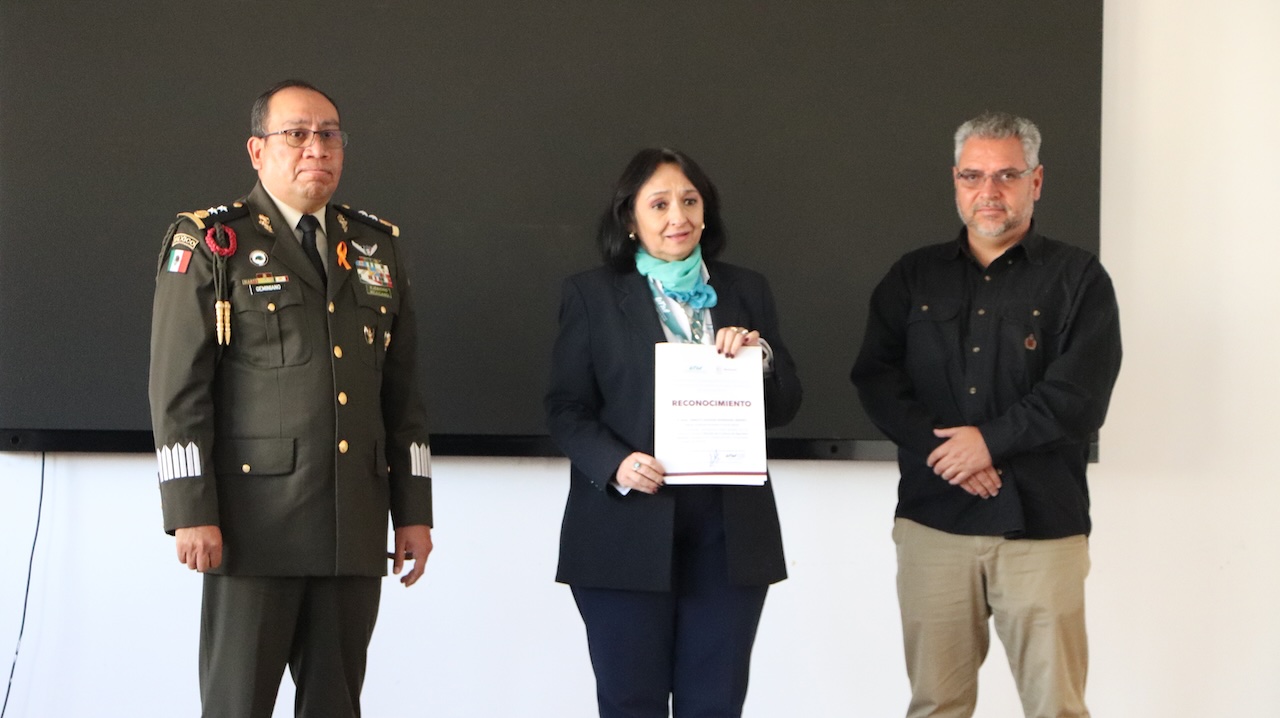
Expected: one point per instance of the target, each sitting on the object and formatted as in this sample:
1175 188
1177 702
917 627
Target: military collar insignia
342 221
265 222
365 250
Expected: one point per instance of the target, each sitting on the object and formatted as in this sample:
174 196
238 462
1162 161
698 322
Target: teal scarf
681 280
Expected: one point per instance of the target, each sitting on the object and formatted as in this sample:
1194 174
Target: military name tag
265 282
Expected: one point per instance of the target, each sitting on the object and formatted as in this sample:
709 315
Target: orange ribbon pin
342 256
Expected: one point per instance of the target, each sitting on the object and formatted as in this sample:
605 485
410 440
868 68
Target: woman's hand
730 339
641 472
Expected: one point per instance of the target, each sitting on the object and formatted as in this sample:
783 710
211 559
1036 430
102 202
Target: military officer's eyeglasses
302 137
973 179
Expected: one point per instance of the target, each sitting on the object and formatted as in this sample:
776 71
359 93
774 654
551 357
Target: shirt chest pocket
269 326
926 310
1032 327
932 330
375 320
1031 338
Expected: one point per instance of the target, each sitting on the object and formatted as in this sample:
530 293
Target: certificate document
708 414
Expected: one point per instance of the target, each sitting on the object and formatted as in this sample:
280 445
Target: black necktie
309 224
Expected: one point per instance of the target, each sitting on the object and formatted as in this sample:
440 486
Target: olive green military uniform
287 413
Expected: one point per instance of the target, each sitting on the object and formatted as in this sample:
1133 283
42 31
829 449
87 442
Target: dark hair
613 236
258 115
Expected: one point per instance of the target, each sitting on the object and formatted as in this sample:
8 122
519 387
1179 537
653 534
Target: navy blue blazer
600 409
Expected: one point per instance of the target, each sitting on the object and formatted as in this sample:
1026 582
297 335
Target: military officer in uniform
288 418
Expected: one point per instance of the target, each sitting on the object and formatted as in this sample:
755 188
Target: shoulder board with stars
370 219
204 218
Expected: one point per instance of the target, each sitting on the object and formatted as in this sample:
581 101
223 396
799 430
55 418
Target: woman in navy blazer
670 580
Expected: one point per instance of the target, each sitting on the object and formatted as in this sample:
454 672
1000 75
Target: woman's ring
635 466
743 331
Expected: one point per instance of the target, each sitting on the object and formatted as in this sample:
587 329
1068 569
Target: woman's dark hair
613 236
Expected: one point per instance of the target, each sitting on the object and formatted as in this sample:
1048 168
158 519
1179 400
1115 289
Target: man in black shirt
989 360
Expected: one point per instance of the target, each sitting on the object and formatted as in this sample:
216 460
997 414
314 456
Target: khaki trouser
949 585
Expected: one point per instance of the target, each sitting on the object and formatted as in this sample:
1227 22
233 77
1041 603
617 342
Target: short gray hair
998 126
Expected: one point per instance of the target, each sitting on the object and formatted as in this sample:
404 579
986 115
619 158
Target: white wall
1186 550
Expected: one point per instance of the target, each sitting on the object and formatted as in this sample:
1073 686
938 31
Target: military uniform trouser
252 627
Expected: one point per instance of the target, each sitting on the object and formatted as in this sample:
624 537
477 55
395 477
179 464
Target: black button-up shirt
1026 350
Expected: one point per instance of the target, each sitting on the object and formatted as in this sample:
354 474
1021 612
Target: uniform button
973 390
986 277
337 351
1035 312
382 309
246 468
977 349
271 306
342 398
342 446
981 312
924 307
331 307
999 472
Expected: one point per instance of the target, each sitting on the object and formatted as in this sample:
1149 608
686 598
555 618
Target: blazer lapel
636 302
728 311
286 249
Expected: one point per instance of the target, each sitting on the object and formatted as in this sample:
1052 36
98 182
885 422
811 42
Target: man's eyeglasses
302 137
973 179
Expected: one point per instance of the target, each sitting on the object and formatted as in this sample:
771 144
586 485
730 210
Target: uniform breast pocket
255 457
269 327
377 317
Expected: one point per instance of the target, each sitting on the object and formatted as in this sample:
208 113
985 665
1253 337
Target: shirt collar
292 216
1030 246
1033 245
